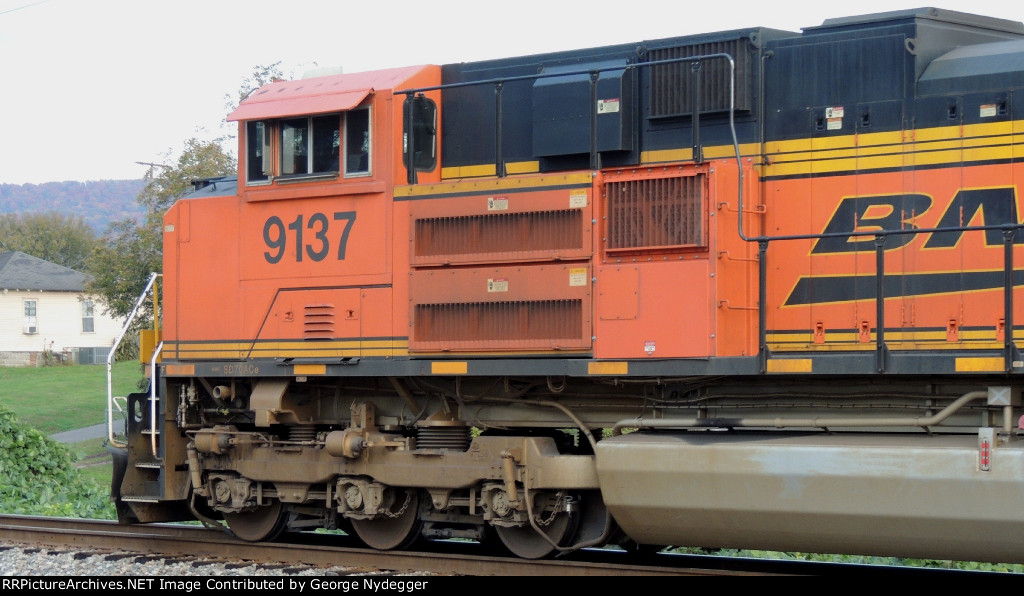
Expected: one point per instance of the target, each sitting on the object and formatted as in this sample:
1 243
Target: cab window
357 142
258 166
310 145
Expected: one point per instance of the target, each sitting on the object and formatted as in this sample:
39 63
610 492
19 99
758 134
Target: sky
91 88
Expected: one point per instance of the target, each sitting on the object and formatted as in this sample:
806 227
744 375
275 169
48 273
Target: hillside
98 202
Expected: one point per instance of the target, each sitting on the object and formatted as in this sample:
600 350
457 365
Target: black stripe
826 289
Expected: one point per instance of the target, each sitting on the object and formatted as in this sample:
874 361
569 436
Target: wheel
393 533
264 523
527 543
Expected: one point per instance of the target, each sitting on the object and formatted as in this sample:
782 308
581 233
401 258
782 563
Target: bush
38 476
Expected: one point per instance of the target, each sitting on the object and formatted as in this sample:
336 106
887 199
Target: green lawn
58 398
53 399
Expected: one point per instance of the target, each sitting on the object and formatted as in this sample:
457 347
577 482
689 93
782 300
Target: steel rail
197 542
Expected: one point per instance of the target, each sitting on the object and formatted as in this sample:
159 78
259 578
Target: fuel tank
955 497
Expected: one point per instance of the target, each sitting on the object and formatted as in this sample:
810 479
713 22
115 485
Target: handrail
499 83
110 362
821 423
152 397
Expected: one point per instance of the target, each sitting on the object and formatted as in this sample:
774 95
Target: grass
54 399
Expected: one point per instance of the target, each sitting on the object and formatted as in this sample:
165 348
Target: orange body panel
357 259
964 309
308 259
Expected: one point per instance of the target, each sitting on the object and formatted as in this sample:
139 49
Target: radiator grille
656 213
672 90
499 233
543 321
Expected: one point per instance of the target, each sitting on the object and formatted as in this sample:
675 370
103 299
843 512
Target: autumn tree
131 251
62 239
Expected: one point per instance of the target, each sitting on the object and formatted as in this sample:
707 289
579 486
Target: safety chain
408 499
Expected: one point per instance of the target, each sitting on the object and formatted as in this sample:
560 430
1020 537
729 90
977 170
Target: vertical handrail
1009 348
595 156
110 361
410 139
152 398
880 303
499 157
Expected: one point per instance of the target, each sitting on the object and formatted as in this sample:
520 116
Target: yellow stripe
892 346
666 155
607 368
980 365
479 171
522 167
714 152
173 370
310 369
494 185
801 365
467 171
931 146
449 368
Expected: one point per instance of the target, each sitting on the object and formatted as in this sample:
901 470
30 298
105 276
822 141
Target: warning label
834 118
578 276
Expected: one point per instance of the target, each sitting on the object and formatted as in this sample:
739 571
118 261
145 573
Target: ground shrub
38 476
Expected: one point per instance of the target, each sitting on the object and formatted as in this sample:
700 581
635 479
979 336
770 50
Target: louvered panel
529 307
318 321
551 322
656 213
520 224
498 235
672 91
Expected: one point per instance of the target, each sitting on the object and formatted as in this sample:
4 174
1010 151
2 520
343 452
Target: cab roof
319 95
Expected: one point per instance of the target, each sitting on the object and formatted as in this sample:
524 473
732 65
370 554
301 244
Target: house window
310 145
30 317
88 317
357 142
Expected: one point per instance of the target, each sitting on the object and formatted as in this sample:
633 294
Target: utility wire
25 6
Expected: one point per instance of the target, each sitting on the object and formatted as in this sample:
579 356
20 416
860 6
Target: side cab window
357 143
419 130
309 146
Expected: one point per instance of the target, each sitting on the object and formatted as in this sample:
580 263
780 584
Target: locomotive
744 289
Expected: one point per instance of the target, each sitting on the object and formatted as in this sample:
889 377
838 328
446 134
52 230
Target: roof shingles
19 271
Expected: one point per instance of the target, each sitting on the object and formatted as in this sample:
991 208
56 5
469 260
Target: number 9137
310 236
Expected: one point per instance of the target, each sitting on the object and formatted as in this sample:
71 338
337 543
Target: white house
46 316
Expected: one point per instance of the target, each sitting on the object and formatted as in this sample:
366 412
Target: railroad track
339 555
183 542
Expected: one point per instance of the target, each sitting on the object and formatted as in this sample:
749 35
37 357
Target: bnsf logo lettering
995 206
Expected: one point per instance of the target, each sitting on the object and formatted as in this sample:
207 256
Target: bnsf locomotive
752 289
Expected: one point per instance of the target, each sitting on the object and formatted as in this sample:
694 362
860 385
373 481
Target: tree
258 77
62 239
199 160
130 252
